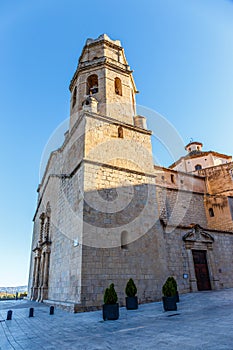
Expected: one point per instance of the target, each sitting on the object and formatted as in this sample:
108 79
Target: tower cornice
102 61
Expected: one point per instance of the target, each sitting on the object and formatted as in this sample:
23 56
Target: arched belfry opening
92 84
118 86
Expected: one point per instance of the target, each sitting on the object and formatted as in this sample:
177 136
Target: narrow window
74 97
92 84
120 132
172 178
211 212
198 167
124 240
118 86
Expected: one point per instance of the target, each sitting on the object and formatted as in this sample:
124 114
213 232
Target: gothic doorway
201 270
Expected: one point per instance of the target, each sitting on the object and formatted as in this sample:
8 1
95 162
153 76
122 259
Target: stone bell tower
104 74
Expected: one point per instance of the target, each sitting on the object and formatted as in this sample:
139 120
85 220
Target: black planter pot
131 303
177 297
110 312
169 303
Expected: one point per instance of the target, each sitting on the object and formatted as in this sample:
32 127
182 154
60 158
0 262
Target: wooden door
201 270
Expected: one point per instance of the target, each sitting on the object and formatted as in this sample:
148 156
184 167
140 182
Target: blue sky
182 55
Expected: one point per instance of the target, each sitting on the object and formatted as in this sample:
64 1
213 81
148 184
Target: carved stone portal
198 239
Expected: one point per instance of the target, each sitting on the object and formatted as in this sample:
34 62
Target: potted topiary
169 296
110 307
172 279
131 299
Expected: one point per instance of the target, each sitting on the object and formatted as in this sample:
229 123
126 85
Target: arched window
118 86
120 132
92 84
198 167
74 97
211 212
124 240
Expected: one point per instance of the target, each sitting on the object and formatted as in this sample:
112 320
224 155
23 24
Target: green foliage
110 295
130 289
169 289
173 281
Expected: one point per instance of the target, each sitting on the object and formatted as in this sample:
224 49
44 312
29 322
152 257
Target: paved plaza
203 320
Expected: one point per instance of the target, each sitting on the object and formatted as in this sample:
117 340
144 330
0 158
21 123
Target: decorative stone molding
198 237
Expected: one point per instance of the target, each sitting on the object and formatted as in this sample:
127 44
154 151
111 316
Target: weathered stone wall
122 106
219 183
66 202
177 207
222 218
177 258
62 188
223 255
102 144
219 179
144 260
116 199
149 261
168 178
66 252
120 200
178 262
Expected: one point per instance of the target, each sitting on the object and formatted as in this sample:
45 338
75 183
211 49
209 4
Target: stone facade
105 213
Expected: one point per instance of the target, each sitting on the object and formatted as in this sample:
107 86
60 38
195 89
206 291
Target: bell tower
104 74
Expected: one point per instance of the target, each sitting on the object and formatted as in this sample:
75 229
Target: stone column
214 280
42 218
33 278
40 278
44 291
192 275
36 282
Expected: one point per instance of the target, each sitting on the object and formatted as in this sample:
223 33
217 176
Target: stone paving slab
204 320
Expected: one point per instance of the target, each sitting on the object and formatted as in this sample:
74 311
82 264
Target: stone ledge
71 307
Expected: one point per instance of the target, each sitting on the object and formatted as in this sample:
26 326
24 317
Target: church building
106 213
